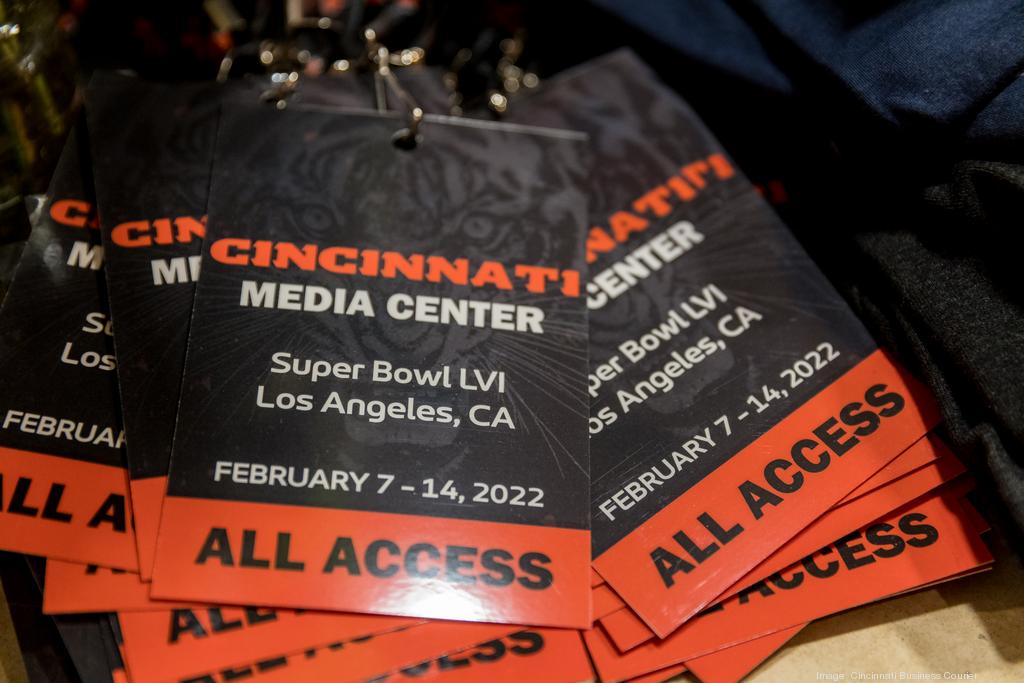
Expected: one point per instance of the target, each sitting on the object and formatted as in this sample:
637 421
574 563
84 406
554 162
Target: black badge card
63 485
384 402
734 396
152 173
152 176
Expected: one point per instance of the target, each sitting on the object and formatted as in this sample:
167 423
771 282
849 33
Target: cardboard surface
627 630
972 624
11 667
858 569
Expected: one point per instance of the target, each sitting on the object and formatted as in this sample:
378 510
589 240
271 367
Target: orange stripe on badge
659 676
728 665
381 563
364 659
174 644
733 663
73 588
852 516
147 501
684 556
542 655
605 601
627 631
918 455
65 508
927 541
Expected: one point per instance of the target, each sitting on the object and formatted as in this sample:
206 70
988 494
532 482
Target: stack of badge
551 398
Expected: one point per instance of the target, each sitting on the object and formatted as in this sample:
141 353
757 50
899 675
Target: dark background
888 134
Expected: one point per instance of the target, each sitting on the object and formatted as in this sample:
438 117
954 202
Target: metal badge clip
384 81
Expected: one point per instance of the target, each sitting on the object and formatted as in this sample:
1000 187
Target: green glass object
37 94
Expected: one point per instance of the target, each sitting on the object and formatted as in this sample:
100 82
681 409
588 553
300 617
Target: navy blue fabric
708 31
935 61
898 130
915 65
998 130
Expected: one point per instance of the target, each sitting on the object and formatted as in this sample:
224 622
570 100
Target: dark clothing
898 131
